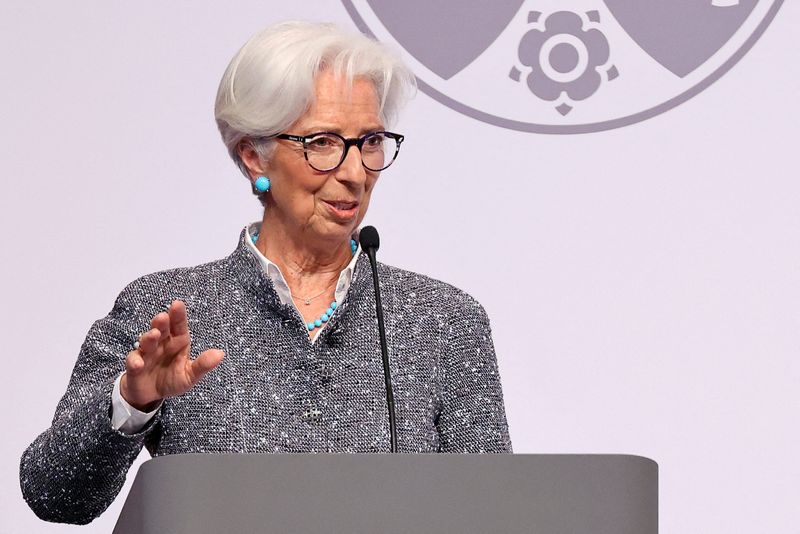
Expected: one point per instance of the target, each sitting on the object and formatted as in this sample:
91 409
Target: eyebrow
317 128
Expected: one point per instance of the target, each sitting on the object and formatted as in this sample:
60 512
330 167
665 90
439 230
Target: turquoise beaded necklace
333 305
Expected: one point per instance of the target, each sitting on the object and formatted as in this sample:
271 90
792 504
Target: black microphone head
368 238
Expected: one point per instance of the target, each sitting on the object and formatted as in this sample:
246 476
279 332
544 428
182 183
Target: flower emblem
564 58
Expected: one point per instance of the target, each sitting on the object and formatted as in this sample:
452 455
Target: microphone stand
370 243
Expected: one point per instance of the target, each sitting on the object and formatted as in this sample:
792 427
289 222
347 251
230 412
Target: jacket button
311 414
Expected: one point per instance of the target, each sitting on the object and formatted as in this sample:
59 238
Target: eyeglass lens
324 151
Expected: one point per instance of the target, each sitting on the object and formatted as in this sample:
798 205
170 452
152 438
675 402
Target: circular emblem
565 67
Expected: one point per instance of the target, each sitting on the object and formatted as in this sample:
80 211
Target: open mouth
343 208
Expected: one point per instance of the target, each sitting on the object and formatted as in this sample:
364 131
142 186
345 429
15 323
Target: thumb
205 362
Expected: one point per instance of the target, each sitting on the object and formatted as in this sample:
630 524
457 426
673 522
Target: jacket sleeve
73 471
473 417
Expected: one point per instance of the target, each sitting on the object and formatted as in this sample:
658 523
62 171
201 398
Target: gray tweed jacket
275 391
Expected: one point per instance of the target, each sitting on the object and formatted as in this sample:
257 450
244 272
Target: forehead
347 104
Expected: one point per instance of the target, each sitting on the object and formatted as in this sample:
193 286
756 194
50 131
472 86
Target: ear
250 158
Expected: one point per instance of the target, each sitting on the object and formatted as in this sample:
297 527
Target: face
325 206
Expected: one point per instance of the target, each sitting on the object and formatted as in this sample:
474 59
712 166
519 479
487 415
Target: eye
321 141
374 140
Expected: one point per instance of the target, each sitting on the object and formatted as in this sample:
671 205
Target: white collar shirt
279 282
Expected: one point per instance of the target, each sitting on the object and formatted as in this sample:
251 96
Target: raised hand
161 366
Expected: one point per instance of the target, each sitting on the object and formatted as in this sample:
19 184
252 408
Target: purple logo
565 67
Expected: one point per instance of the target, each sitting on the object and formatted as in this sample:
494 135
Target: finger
205 362
148 342
178 320
134 362
161 322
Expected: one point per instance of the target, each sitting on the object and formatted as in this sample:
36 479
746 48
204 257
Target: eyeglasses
325 151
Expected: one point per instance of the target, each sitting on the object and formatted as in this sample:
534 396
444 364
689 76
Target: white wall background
643 283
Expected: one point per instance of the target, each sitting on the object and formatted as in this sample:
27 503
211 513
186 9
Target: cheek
370 184
368 189
299 190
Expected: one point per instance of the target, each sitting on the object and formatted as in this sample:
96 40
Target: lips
342 204
343 209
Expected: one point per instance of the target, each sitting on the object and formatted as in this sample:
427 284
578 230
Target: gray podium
387 494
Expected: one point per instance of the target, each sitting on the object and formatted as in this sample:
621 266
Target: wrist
142 406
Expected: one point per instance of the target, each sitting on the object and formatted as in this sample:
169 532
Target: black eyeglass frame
353 141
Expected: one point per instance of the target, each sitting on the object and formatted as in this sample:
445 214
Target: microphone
370 242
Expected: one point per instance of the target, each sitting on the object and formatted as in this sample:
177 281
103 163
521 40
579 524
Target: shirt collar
278 280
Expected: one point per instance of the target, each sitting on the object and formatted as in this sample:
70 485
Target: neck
308 264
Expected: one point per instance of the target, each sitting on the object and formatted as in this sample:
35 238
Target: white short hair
270 82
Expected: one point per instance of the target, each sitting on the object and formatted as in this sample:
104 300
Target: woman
275 347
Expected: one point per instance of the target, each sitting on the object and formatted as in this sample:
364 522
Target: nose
352 170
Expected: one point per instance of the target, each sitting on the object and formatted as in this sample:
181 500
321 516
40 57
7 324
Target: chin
337 232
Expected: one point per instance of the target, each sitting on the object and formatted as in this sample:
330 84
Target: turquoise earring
261 185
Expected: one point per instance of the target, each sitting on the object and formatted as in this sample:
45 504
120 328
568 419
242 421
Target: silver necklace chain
307 300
